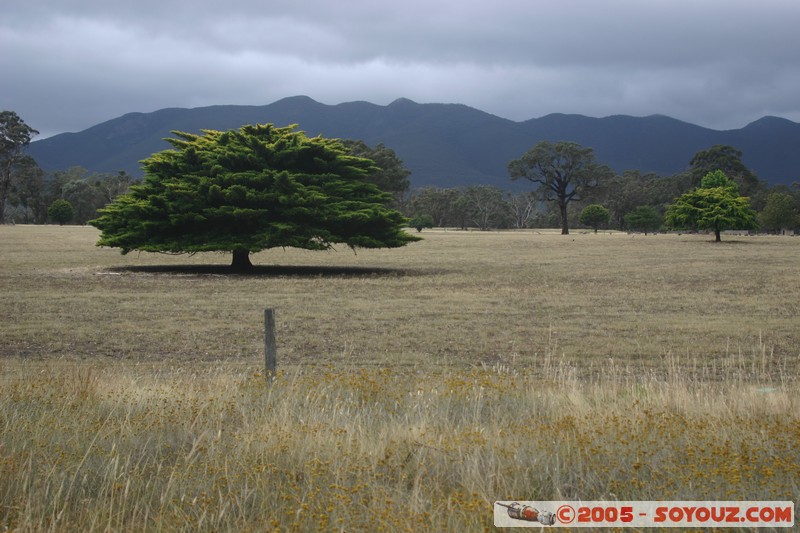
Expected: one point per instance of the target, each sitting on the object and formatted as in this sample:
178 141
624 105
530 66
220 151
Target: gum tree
15 136
252 189
564 171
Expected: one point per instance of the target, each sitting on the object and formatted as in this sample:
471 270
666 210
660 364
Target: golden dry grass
455 299
416 386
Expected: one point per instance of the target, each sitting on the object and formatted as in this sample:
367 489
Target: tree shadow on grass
732 240
268 271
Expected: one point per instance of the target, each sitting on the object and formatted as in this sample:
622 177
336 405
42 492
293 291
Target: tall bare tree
521 207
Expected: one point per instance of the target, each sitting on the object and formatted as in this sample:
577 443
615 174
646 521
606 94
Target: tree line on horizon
570 189
576 191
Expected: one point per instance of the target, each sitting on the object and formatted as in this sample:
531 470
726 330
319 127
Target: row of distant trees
72 196
569 188
640 209
29 195
572 190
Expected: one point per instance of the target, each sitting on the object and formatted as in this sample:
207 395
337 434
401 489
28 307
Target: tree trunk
5 183
241 261
717 237
564 222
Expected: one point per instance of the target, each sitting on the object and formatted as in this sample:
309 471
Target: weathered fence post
270 349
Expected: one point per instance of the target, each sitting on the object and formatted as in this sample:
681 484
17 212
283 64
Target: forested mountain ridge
442 144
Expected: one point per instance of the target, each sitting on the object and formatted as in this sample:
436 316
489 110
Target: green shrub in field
594 216
421 221
61 211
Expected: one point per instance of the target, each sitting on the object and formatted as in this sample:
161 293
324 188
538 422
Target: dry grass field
415 386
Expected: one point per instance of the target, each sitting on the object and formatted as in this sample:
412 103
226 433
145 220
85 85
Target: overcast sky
66 65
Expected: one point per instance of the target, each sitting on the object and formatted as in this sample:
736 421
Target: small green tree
644 218
715 205
421 221
60 211
252 189
594 216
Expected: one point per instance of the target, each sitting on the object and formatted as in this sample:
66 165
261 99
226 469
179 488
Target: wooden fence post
270 349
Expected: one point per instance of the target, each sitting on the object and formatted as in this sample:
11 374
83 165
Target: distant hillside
442 144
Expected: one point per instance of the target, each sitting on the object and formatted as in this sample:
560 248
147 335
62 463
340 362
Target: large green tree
716 205
251 189
563 170
15 136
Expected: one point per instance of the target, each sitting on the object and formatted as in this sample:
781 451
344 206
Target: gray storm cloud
70 64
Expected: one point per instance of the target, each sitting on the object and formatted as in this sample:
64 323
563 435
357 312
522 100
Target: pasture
415 387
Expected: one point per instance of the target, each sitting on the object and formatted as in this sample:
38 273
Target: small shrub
421 221
60 211
594 216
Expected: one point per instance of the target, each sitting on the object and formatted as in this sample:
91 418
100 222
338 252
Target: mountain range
442 144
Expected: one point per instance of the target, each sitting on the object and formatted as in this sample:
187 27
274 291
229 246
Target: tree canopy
391 174
563 170
728 160
251 189
716 205
644 218
780 213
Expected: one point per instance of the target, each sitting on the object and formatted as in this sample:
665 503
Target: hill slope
442 144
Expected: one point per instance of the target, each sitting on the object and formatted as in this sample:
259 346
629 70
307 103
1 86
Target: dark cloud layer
67 65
